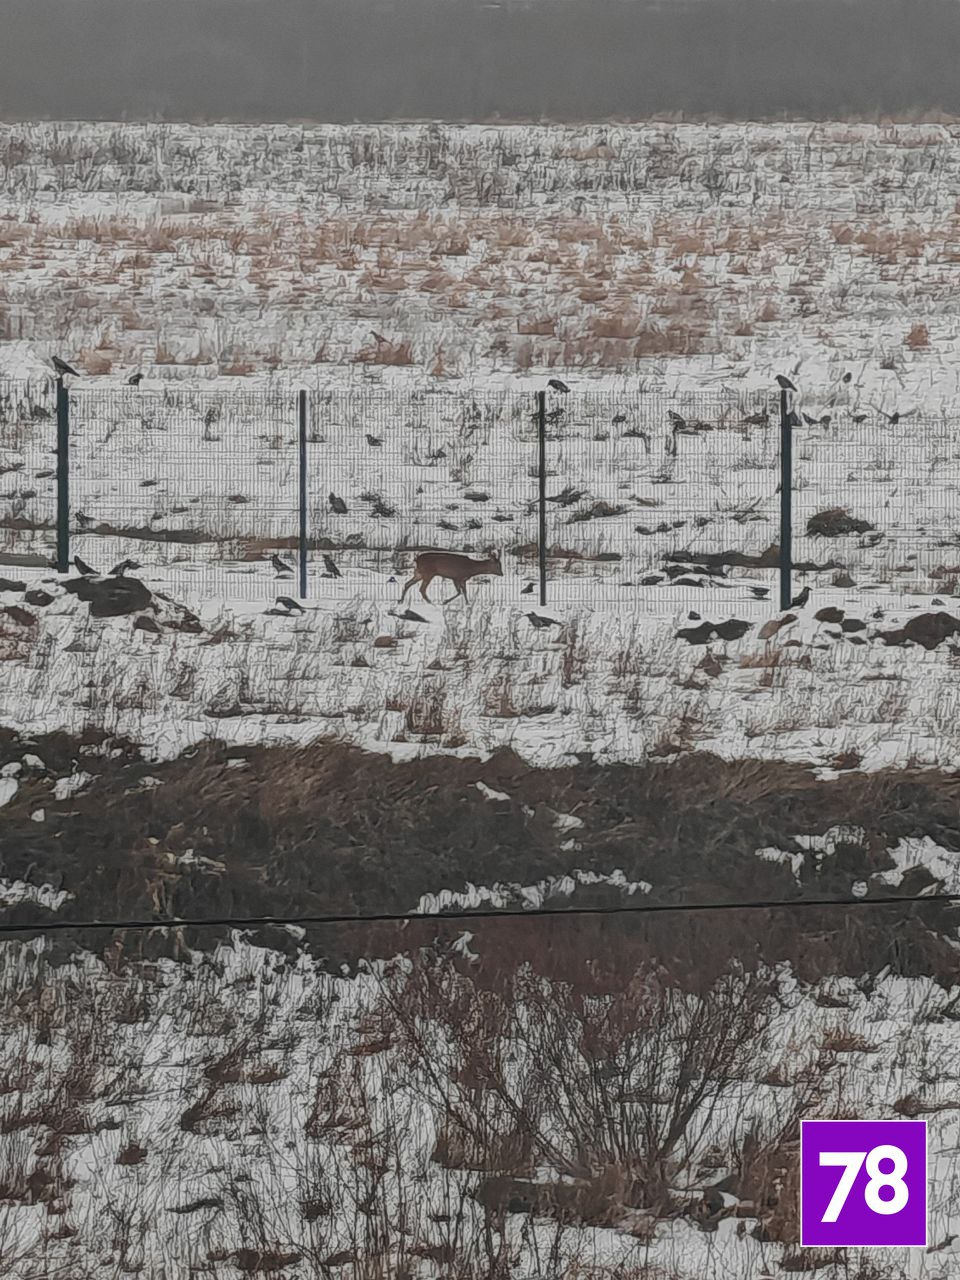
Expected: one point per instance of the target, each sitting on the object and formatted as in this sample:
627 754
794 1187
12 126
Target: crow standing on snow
290 604
798 602
62 367
135 380
280 566
373 441
337 504
557 385
538 622
331 568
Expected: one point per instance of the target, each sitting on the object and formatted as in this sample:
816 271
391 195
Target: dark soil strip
335 830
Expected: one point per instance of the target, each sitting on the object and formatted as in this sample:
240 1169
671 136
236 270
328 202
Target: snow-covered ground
251 1116
240 1113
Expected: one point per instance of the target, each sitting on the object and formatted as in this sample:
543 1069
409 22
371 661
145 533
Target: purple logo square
863 1183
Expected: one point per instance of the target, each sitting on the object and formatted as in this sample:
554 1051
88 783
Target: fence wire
197 483
391 476
668 499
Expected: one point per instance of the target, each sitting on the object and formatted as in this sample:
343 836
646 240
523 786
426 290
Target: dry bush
612 1082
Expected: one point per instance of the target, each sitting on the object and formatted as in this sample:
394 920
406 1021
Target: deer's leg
460 591
407 587
424 583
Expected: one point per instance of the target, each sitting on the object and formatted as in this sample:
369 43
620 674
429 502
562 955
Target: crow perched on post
557 385
62 367
784 383
799 601
280 566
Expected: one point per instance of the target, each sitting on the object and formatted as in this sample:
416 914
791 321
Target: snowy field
305 1125
259 1110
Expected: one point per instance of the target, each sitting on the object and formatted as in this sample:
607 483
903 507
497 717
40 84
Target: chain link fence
672 499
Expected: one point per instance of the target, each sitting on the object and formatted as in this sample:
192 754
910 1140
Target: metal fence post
786 500
63 478
303 493
542 501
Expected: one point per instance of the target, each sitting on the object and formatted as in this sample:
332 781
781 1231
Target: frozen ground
243 1113
614 678
300 1129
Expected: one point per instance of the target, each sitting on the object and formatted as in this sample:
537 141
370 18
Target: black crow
409 616
527 590
557 385
120 569
290 604
785 383
678 423
798 602
825 420
62 367
280 566
373 441
858 418
847 377
894 418
538 622
85 569
331 568
760 592
135 380
337 504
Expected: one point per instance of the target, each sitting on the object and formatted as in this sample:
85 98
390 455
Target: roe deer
452 565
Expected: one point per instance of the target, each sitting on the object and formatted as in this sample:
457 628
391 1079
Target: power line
387 917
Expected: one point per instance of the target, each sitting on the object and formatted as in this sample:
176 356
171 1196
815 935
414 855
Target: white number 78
852 1162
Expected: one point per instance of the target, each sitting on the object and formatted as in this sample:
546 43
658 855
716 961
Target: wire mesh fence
644 490
672 499
877 504
391 476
